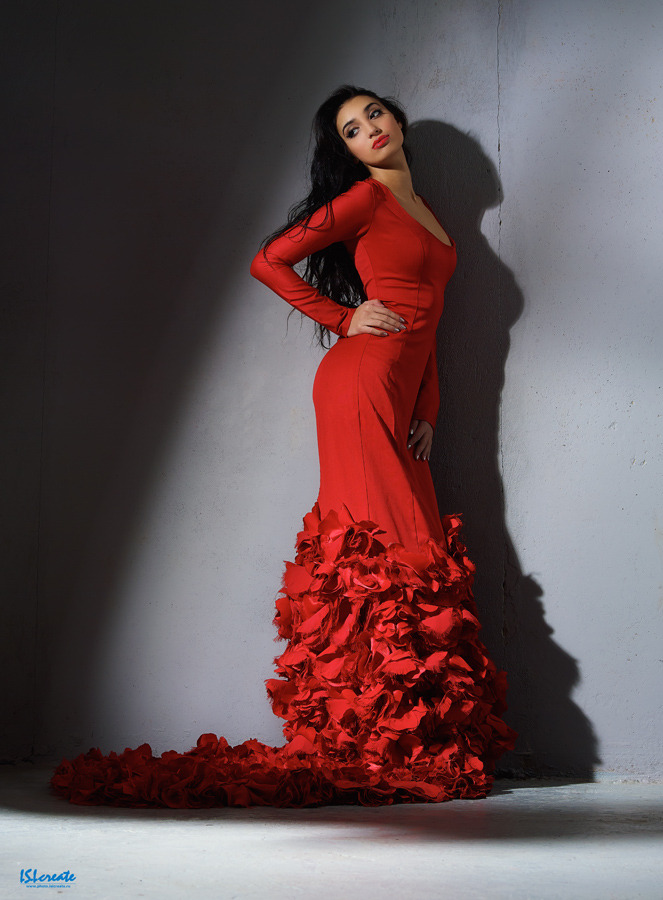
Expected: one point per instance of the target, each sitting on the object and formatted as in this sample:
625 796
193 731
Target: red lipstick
381 141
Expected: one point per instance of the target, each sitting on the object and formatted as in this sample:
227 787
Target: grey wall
163 444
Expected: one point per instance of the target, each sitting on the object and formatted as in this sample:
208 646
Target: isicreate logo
33 879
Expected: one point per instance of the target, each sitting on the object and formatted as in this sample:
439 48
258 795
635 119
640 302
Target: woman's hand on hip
420 438
371 317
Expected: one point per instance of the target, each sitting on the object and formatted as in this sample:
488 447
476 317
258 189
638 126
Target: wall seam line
500 445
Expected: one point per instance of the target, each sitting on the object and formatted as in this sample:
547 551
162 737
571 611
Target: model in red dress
387 693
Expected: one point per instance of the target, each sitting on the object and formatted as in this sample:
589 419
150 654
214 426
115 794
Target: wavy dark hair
333 171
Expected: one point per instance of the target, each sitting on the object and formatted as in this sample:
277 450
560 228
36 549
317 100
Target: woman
387 693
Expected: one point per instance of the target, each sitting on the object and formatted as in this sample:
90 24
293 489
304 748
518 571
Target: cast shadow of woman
482 302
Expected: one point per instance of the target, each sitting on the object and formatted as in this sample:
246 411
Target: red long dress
387 693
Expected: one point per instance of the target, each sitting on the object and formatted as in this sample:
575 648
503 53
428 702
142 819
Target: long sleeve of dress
428 398
348 218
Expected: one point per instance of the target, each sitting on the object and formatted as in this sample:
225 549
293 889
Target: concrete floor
529 839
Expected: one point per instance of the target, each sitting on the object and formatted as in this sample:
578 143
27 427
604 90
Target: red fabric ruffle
386 691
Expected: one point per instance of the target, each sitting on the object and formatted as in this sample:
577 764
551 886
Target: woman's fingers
420 438
384 316
371 317
379 318
368 329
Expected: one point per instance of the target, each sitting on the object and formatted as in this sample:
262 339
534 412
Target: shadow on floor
527 810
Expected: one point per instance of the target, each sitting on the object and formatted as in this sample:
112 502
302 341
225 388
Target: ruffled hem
387 693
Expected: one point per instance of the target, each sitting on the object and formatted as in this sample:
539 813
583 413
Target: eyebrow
366 108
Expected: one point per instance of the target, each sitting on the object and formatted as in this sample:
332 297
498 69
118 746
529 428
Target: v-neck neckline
451 246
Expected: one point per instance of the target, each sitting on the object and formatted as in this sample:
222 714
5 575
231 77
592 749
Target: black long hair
333 171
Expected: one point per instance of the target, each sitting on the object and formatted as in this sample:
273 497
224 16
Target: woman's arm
428 398
420 435
350 216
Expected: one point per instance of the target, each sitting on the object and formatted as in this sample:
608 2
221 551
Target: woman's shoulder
365 191
375 187
356 204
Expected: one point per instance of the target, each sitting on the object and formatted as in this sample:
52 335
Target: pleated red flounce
387 693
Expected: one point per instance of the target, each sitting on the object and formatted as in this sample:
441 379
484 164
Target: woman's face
370 132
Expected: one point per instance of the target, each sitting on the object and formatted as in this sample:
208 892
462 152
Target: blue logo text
32 878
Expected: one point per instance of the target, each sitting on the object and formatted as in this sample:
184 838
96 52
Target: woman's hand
371 317
420 438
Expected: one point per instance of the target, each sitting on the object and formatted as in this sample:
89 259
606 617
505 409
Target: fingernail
402 319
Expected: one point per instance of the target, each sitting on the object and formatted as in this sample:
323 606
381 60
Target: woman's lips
380 142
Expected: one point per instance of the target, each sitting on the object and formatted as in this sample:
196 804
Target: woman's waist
420 310
419 322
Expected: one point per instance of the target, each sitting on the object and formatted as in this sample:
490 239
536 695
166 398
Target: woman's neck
398 180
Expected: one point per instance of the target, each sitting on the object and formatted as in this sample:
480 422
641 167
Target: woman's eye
374 113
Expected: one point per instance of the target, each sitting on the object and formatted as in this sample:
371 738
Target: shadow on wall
482 302
153 174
